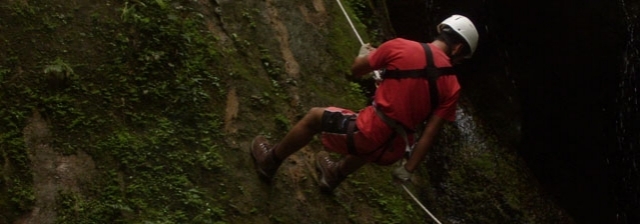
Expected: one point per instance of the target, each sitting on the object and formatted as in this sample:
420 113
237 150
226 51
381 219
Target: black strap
430 72
386 146
393 124
433 78
418 73
351 145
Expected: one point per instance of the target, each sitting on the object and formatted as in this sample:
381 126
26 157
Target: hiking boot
330 175
264 158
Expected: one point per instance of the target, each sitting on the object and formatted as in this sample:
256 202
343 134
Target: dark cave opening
563 58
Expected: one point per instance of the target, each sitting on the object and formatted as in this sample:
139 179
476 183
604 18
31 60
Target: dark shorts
335 125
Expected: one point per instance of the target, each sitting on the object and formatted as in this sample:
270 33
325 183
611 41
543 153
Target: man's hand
402 174
365 49
377 75
360 64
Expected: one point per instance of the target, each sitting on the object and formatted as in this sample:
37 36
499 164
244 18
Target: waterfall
468 128
624 161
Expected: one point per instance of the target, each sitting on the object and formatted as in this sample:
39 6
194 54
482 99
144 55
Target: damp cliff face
569 72
143 111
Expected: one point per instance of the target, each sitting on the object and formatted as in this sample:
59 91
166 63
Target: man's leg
333 173
268 158
350 164
301 134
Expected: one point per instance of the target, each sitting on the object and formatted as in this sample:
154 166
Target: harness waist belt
395 126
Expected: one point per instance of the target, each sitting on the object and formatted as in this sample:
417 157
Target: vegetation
143 108
140 86
146 88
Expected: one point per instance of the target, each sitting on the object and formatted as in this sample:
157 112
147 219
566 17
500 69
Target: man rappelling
418 85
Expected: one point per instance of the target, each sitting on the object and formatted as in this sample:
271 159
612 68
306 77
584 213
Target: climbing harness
395 125
351 129
431 73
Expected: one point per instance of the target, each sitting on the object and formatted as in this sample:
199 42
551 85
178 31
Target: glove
365 49
377 75
402 174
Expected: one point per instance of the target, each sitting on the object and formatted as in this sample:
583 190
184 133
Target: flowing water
625 159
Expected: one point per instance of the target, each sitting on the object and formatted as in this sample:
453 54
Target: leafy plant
3 72
282 122
59 69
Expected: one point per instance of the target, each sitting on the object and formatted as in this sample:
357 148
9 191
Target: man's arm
426 140
360 66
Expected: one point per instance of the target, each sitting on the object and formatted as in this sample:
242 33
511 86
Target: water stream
468 128
624 160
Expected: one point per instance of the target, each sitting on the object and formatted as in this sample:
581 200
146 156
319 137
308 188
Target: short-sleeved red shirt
407 100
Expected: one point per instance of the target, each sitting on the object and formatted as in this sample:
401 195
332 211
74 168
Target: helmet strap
449 50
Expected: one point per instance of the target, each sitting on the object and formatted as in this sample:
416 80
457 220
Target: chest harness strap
431 73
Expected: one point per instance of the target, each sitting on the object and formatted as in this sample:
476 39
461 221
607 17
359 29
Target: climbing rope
418 201
350 23
377 76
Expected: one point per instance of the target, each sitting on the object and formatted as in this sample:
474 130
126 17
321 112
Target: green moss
16 184
142 89
143 107
343 43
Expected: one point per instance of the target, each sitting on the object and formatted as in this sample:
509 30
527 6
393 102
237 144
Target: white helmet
465 28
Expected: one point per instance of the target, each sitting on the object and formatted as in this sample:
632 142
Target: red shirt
407 100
